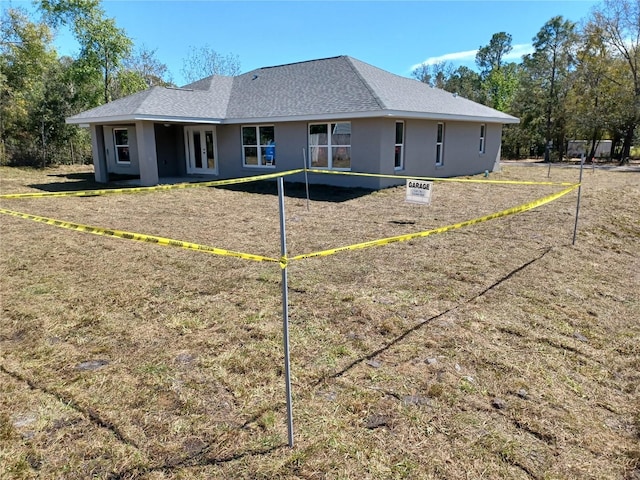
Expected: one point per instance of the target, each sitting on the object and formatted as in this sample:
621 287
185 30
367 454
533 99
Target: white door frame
198 162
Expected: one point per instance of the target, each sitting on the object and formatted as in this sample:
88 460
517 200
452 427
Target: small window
482 138
399 151
330 145
440 144
121 141
258 146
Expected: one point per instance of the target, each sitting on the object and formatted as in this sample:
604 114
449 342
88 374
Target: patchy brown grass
496 351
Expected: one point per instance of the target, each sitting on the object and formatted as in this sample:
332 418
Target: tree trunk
595 140
626 144
614 146
560 147
44 147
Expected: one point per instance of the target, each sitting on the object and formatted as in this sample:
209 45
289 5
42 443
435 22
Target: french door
201 149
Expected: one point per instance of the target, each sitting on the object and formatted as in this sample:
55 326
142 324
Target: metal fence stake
285 311
575 227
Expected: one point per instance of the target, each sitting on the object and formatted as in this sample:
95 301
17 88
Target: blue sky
393 35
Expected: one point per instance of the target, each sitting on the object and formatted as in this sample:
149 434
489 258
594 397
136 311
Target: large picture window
399 155
440 144
121 142
330 145
258 146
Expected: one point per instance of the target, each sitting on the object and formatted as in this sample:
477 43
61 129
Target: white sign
419 191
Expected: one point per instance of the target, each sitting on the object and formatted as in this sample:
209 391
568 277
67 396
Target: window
482 135
258 146
399 156
121 141
440 144
330 145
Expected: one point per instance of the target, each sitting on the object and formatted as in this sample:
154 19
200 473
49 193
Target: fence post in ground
575 227
306 178
285 310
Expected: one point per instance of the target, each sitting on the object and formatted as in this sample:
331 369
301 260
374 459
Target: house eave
293 118
374 114
456 117
83 121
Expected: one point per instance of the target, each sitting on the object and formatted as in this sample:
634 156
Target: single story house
338 113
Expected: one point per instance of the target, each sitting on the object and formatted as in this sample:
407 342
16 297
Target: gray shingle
331 86
317 87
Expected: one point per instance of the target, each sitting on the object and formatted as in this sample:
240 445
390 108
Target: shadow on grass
79 182
318 193
199 459
190 462
417 327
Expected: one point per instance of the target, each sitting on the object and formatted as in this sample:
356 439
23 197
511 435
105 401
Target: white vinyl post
285 311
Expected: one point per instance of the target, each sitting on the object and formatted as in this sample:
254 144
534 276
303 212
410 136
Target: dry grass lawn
495 351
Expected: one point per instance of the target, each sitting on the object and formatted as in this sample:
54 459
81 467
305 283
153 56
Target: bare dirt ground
496 351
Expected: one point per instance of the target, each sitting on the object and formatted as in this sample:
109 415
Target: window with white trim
483 131
330 145
399 150
440 144
121 143
258 146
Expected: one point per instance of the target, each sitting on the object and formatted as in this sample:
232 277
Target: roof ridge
371 90
297 63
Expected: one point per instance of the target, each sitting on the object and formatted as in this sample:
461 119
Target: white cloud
519 50
455 57
469 56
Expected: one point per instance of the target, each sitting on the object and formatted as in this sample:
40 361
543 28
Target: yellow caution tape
410 236
438 179
283 261
157 188
138 237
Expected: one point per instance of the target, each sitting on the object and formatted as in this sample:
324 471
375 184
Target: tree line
39 88
580 81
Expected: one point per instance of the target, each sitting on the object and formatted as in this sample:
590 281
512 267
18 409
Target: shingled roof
330 88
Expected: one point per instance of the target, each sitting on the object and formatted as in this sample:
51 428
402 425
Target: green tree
546 81
591 101
619 24
433 74
499 79
467 84
103 45
26 61
490 57
140 71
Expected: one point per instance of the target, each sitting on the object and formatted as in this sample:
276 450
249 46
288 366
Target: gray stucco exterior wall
372 150
101 172
461 148
147 155
132 168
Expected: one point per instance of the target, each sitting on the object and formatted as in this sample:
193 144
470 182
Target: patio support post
99 154
147 155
